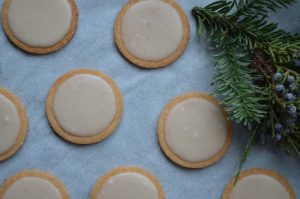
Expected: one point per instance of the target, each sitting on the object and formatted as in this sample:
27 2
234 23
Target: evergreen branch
280 45
247 44
252 33
242 99
222 7
220 27
259 7
246 153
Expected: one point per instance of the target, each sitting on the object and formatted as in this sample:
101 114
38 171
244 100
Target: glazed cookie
39 27
152 33
193 130
127 183
259 184
84 106
13 124
33 184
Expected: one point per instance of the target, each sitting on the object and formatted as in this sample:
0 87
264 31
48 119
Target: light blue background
145 93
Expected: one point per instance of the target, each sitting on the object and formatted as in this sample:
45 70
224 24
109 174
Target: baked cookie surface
151 33
127 183
33 184
84 106
13 124
40 27
194 131
259 184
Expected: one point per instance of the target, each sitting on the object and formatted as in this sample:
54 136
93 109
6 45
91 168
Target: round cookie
127 183
151 33
40 27
84 106
13 124
33 184
259 184
193 130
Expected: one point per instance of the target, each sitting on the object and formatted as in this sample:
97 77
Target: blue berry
278 136
289 97
277 77
278 127
290 79
279 89
297 63
292 110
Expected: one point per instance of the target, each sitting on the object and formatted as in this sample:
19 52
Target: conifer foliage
256 64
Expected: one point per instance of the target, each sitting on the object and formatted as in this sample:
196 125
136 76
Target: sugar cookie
127 183
193 130
259 184
33 184
84 106
39 27
13 124
152 33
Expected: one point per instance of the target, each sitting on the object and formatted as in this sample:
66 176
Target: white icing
84 105
9 124
151 30
32 188
259 187
39 23
128 186
195 130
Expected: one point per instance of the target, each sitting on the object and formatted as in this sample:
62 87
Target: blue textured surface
145 93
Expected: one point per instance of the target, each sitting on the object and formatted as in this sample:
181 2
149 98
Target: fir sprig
247 151
255 33
259 7
252 60
243 100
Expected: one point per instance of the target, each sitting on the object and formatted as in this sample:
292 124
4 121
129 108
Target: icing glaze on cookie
195 130
32 187
259 186
39 23
9 124
151 30
84 105
128 185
